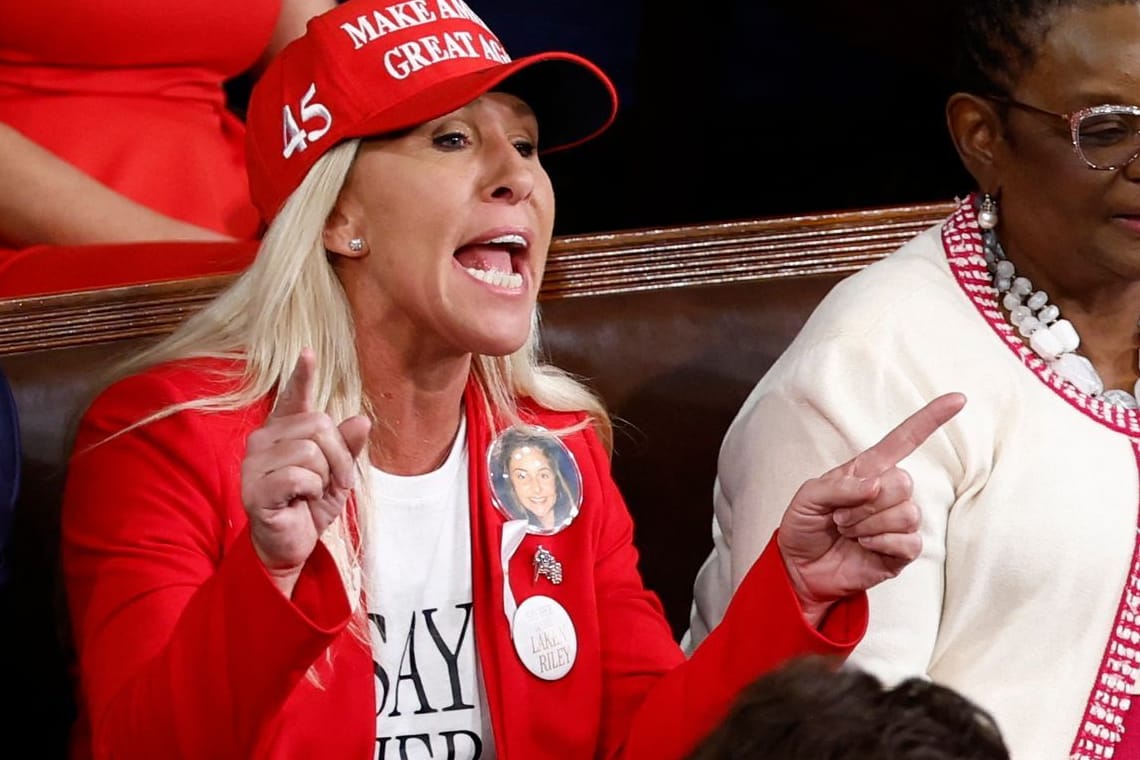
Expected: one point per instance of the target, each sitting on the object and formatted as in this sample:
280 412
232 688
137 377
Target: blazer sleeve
659 705
185 648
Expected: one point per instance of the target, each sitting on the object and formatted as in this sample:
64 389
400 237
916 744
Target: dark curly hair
998 40
816 708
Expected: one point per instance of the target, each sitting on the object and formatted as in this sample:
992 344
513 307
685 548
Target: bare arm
44 199
291 24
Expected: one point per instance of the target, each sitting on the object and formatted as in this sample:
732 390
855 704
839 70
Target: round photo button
534 477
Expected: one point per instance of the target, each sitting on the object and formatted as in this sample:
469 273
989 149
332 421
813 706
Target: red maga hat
369 67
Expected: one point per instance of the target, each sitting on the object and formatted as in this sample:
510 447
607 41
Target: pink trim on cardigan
1108 717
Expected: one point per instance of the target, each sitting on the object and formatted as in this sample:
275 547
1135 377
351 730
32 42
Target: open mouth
494 261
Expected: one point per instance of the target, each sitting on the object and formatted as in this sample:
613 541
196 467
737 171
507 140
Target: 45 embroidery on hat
297 138
373 67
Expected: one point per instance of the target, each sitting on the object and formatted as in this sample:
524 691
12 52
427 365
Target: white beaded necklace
1054 339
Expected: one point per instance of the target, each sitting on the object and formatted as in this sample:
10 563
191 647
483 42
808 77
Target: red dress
131 92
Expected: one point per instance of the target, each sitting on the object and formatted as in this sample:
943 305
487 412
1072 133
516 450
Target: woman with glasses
1026 299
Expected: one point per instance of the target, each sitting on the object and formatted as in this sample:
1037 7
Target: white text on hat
403 16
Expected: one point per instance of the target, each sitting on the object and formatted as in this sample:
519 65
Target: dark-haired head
998 40
819 709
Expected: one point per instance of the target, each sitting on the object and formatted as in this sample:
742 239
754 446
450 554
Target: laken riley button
544 637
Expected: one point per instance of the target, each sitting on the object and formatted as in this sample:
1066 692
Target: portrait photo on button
534 477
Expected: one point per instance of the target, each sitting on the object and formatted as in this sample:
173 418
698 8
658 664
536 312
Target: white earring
988 212
356 245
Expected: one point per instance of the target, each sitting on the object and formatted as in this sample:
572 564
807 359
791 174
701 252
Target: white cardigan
1029 496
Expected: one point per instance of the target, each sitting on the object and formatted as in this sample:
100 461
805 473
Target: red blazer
186 649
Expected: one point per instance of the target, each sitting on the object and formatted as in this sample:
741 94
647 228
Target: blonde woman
279 534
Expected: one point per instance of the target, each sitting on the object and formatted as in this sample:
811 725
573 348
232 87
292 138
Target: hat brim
573 100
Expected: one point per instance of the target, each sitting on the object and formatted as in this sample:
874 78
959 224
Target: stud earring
988 212
356 245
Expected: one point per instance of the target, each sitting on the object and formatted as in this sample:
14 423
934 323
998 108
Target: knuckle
295 481
310 452
914 548
911 516
898 481
322 423
257 439
905 481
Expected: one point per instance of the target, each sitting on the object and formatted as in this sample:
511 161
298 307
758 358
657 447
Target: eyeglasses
1105 137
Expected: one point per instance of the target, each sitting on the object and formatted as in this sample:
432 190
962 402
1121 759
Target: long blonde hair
290 298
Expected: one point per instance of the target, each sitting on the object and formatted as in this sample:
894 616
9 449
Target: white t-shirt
429 693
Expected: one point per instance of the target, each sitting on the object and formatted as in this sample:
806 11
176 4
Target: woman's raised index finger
297 395
908 435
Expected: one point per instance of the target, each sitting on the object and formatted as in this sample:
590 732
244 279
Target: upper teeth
512 239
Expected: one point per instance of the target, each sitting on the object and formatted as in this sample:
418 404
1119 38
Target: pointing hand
857 525
297 475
